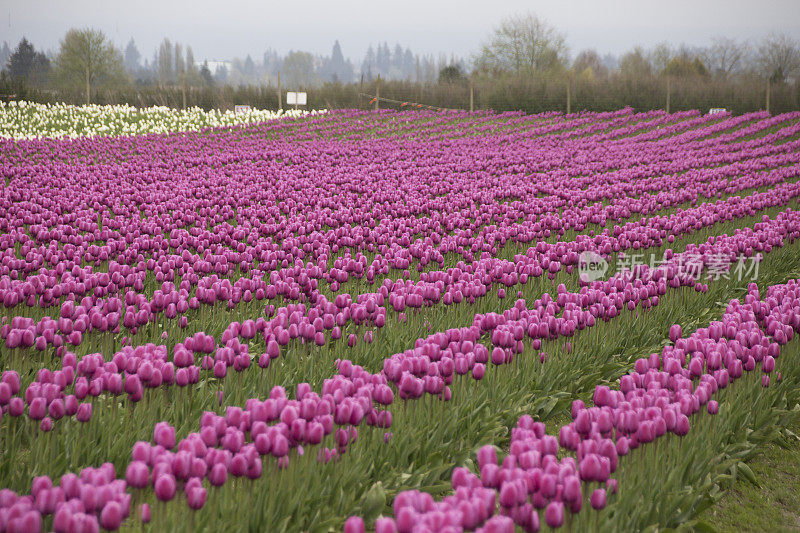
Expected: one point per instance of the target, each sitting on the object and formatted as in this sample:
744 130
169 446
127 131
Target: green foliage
205 74
87 58
763 496
634 64
683 66
298 70
452 74
523 44
26 65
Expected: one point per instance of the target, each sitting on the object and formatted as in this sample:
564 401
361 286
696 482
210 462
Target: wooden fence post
378 93
569 96
471 95
768 84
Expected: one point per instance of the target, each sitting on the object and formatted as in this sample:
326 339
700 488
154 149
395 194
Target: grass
771 502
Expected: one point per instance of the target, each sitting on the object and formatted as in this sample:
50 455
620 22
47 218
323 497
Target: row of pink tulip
236 442
430 367
656 399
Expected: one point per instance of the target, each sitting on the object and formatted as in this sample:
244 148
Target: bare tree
589 63
634 64
87 55
779 57
523 44
726 56
660 57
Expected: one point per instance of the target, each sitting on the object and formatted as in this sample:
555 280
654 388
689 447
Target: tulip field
393 321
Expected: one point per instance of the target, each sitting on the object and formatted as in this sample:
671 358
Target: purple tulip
354 524
137 474
165 487
554 514
385 525
164 435
144 513
598 499
674 332
111 516
218 475
46 424
196 498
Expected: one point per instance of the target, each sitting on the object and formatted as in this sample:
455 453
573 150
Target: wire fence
529 94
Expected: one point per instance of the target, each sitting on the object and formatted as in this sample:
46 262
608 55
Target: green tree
166 63
683 66
88 57
205 74
523 44
635 65
132 57
660 57
26 65
298 68
452 74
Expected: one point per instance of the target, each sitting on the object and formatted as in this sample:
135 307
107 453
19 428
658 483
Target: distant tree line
524 64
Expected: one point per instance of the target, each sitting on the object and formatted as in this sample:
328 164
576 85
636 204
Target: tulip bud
354 524
144 513
554 514
385 525
598 499
111 516
164 435
196 498
165 487
674 332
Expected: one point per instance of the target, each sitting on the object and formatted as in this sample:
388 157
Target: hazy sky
221 29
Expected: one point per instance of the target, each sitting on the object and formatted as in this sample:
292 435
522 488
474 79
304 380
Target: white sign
716 110
296 98
241 108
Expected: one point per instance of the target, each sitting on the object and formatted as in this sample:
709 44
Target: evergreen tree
205 73
132 57
27 65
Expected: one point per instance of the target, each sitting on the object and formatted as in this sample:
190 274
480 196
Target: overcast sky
222 29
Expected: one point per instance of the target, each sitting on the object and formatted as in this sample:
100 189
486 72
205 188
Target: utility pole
471 95
280 97
569 96
378 93
360 90
768 84
183 87
419 81
669 89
